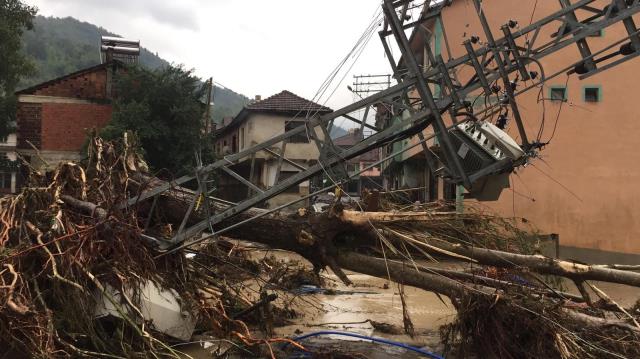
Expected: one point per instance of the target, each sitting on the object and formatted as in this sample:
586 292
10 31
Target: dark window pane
591 94
558 93
298 138
5 180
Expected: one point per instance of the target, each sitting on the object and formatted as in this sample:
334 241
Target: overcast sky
255 47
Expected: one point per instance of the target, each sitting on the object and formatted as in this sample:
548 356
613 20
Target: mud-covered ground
372 307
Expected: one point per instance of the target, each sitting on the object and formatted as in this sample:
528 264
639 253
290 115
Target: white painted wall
10 144
262 127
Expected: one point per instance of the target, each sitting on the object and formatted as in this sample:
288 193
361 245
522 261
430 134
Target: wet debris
78 278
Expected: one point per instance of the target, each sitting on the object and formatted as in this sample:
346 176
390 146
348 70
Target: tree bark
295 233
289 231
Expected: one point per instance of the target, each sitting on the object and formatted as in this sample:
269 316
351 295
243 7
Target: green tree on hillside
15 17
164 108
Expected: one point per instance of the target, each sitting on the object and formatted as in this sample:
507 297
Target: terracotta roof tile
287 101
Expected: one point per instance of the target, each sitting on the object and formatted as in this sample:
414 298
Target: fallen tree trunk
406 274
315 237
542 264
328 239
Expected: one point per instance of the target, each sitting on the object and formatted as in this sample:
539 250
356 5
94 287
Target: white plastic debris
158 306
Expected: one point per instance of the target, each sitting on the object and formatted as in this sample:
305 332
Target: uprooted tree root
529 328
59 254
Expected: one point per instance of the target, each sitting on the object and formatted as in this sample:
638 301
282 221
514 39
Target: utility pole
207 112
366 84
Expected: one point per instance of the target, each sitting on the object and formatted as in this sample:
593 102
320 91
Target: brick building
54 116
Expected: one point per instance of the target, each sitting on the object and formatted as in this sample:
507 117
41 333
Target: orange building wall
594 153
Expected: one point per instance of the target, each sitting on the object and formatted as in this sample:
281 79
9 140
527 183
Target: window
432 187
592 94
242 138
286 174
5 180
450 191
558 93
298 138
599 33
353 187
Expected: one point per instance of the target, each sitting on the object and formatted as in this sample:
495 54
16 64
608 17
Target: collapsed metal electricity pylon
473 151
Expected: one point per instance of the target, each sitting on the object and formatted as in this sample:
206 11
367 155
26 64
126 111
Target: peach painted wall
595 150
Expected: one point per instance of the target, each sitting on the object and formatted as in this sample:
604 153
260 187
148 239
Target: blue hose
373 339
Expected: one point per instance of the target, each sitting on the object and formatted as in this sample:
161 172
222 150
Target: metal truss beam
504 52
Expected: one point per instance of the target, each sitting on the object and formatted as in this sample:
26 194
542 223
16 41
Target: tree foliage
15 18
163 108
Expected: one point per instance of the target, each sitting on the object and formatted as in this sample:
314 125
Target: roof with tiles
287 101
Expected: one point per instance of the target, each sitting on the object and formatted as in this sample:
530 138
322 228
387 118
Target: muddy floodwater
376 300
352 308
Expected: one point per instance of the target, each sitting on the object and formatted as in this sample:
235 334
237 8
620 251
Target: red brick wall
91 85
29 125
64 125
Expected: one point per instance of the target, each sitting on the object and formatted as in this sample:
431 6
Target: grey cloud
179 14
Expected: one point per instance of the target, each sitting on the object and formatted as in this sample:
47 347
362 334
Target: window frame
559 87
588 87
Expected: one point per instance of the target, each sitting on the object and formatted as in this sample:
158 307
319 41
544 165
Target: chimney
258 98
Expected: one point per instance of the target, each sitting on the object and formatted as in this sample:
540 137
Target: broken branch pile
68 256
68 249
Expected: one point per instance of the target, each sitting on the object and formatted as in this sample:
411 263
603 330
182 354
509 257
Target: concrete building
257 122
55 116
583 186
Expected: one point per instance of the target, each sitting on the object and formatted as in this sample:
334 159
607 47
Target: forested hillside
59 46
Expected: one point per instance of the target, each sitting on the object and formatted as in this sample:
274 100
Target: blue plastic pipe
373 339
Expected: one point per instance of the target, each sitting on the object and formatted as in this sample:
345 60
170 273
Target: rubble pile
78 278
